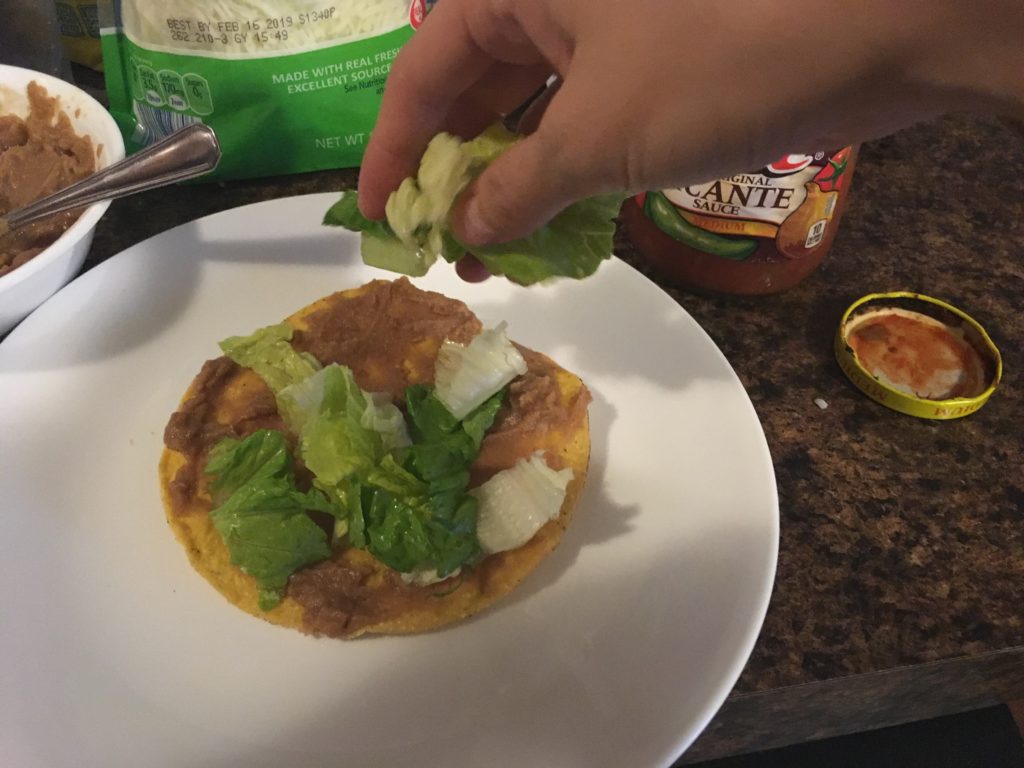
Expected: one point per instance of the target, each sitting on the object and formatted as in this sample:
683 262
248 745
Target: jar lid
917 355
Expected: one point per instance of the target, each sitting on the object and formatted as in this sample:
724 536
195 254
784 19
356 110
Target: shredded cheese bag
288 85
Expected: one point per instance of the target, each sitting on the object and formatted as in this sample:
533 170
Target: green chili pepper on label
661 211
838 169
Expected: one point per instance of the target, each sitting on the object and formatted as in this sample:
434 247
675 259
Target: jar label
791 201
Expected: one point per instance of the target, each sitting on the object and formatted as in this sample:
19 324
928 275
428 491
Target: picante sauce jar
748 234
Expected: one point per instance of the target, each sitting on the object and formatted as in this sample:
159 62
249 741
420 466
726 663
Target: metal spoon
184 154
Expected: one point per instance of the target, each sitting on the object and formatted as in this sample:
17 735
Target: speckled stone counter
900 587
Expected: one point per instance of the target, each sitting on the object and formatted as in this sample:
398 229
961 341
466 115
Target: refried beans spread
38 156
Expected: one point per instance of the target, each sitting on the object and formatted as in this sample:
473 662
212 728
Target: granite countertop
900 582
900 585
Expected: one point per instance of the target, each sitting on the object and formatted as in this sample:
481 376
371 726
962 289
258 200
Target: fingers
503 89
438 64
530 119
512 197
561 162
471 270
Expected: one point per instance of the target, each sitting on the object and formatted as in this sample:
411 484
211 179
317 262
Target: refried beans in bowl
39 154
44 146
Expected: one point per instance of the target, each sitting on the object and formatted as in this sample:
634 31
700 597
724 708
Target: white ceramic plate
616 651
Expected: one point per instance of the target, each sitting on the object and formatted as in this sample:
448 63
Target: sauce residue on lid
917 354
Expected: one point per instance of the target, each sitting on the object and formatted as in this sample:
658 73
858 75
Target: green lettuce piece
417 231
233 463
443 447
476 424
263 517
384 418
390 476
405 533
417 209
379 245
389 486
269 353
420 515
438 531
396 532
356 524
406 502
334 449
345 213
452 530
573 244
342 430
429 419
299 402
488 146
346 439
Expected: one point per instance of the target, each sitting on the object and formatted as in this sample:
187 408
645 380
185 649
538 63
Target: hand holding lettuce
417 229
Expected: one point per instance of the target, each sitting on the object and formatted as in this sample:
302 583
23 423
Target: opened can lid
917 355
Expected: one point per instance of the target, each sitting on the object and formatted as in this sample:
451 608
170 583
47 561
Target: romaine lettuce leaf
262 516
476 424
395 531
233 463
384 418
345 213
431 422
269 353
390 476
417 229
346 439
356 528
466 375
341 429
406 502
517 501
437 518
299 402
443 447
452 530
380 246
573 244
437 531
334 449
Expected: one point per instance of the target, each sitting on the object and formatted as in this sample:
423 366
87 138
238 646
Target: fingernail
474 229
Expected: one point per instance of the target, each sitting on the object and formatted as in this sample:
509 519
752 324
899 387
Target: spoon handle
184 154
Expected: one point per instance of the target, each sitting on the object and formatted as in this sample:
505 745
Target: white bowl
25 288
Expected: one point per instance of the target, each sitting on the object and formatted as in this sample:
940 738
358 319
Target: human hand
661 93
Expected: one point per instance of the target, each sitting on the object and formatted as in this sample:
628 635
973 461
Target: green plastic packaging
288 85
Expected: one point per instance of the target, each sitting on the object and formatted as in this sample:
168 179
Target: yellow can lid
917 355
